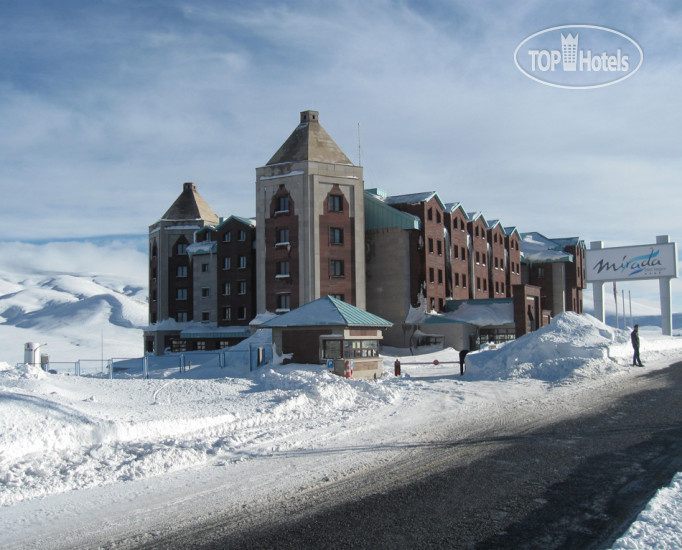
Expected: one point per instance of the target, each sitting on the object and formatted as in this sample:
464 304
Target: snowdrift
564 348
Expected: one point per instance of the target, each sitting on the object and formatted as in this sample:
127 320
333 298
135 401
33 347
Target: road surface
522 482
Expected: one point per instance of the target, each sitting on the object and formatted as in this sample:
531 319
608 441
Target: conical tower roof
309 141
190 205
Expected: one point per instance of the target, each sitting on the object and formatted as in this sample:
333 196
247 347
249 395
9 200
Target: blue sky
108 107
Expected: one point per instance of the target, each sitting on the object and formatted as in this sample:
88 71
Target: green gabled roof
327 311
379 215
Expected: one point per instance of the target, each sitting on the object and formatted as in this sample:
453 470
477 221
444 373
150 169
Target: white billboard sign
629 263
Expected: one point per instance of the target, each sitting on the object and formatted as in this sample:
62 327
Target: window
282 235
227 237
241 313
338 296
227 313
181 294
227 288
227 263
242 287
182 271
205 316
431 275
204 268
242 235
200 345
464 281
205 292
283 303
332 349
282 269
440 276
181 248
178 345
485 284
335 235
456 251
464 255
430 246
456 279
478 257
242 262
541 272
336 268
182 317
360 348
335 203
497 287
429 214
283 204
439 248
437 216
478 283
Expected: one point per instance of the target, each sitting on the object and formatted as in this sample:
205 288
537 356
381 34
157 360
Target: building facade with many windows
318 233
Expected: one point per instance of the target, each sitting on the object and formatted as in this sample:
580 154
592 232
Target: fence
255 356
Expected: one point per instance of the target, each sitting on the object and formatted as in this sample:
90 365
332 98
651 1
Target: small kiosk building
330 331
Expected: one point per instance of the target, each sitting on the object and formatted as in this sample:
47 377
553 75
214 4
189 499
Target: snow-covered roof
414 198
204 247
327 311
452 206
473 216
259 319
481 313
536 248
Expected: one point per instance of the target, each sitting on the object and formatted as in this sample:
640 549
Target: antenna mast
359 147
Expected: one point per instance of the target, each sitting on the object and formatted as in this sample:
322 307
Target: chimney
309 116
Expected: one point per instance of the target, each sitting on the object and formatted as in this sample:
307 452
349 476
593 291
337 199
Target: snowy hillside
82 300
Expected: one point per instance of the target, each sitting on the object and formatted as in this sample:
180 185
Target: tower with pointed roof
309 222
170 269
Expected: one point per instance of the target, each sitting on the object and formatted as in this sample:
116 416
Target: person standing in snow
634 336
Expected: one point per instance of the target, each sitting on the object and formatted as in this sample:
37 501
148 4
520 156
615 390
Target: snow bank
571 345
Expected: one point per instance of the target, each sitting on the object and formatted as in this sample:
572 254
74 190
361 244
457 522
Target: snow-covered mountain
84 300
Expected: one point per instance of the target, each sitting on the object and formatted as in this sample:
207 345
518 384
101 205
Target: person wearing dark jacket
634 336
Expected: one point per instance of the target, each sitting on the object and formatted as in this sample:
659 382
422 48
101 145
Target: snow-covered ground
70 444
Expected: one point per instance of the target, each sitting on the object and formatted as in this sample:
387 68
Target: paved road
572 484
